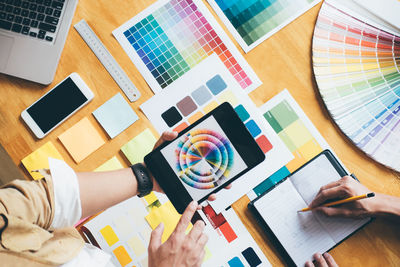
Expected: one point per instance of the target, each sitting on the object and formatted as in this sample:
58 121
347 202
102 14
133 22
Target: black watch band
145 184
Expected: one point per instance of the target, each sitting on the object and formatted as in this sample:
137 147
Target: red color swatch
228 232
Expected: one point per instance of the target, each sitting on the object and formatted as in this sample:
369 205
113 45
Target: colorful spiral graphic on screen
204 159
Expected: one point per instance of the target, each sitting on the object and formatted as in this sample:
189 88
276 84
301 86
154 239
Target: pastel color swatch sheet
39 159
115 115
208 87
136 149
110 165
253 21
124 231
81 140
170 37
296 131
356 66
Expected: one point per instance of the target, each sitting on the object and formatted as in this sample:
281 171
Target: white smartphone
57 105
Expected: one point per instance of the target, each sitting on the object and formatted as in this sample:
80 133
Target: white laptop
32 36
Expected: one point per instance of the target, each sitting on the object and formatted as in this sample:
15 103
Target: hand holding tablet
204 158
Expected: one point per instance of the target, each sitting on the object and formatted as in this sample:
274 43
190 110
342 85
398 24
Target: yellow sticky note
39 159
81 140
137 245
122 255
166 214
150 198
136 149
109 235
110 165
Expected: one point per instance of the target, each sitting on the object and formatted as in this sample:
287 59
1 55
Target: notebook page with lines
303 234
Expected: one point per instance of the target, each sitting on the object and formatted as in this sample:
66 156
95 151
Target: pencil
346 200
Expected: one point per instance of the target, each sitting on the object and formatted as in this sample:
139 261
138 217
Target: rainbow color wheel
357 69
204 159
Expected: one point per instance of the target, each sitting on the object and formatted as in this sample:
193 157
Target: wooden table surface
282 61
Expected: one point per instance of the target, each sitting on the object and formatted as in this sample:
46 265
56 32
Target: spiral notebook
299 235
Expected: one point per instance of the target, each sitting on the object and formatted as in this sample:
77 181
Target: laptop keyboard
34 18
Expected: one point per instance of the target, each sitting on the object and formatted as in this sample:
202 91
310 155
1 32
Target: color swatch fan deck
169 38
253 21
356 66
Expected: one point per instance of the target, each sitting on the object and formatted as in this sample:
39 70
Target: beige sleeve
30 201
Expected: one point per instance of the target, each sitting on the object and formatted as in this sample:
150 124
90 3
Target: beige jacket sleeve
27 211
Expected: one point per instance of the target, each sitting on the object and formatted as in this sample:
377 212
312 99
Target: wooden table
283 61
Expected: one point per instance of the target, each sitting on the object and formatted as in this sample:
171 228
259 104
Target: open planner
301 234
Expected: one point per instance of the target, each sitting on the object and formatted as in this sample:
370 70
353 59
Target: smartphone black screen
57 105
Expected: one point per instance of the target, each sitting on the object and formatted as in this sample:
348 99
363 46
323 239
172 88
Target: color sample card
356 66
296 131
115 115
110 165
253 21
211 85
39 159
81 140
168 39
136 149
167 215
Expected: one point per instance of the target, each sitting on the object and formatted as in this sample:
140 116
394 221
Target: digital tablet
205 157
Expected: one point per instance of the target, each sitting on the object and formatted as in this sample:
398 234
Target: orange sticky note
81 140
39 159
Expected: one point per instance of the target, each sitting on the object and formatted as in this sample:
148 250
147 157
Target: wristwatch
145 184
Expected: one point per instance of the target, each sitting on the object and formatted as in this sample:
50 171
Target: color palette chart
296 131
253 21
356 66
207 87
204 158
170 37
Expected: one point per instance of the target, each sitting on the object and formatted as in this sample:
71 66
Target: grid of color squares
356 67
256 20
203 100
175 38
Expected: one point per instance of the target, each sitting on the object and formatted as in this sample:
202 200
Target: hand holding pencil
352 203
343 201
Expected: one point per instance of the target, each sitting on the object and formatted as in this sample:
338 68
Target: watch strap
145 184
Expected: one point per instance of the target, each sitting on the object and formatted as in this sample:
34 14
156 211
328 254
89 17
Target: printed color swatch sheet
124 232
253 21
208 85
169 38
296 131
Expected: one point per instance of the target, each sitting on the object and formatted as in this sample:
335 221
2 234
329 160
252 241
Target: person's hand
325 260
344 188
180 249
169 136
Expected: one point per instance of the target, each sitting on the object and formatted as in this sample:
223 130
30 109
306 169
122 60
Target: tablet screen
204 158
